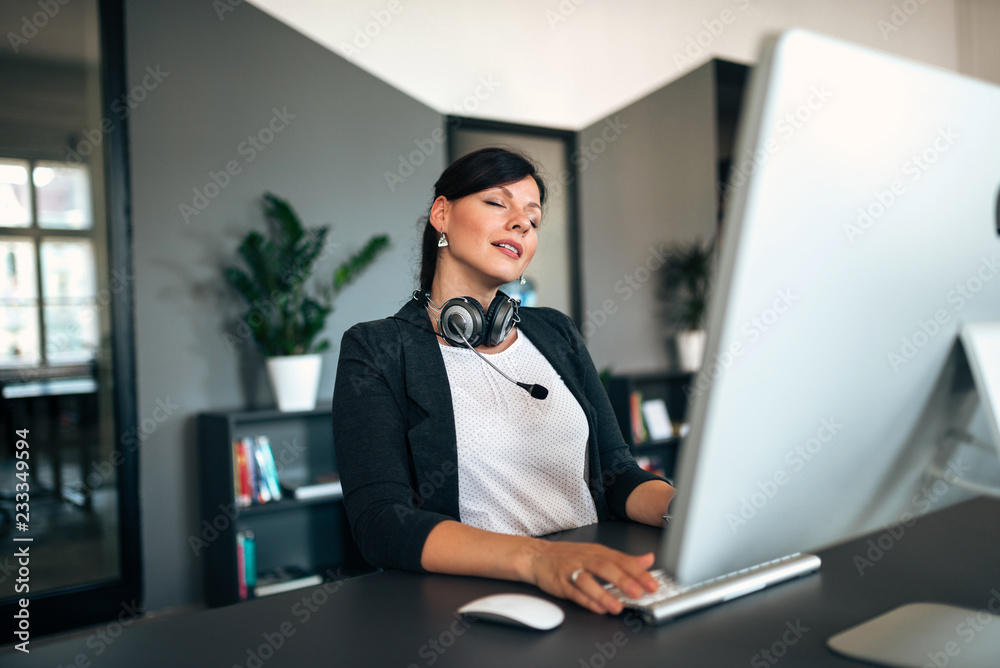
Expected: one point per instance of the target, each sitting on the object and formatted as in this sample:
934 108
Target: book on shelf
255 475
249 558
639 433
285 578
246 563
657 419
269 470
241 485
313 487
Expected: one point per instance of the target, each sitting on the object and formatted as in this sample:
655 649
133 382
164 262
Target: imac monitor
861 235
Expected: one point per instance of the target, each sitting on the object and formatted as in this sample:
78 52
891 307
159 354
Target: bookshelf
658 454
291 536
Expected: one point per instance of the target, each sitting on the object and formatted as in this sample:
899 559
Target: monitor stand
981 343
923 634
980 348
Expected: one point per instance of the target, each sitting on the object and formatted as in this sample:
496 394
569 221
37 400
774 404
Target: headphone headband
421 296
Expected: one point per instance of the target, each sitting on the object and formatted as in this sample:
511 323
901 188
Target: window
48 280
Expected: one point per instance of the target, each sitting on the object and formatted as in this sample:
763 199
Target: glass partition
68 490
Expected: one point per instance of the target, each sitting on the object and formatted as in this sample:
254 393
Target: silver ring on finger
575 575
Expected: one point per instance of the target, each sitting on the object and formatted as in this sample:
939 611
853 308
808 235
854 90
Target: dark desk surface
404 619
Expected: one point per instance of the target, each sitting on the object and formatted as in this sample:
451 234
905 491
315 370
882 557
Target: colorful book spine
263 490
270 468
249 561
251 470
241 579
248 490
255 474
242 481
639 432
236 475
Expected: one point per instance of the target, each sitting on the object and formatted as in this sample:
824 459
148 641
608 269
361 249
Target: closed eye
534 224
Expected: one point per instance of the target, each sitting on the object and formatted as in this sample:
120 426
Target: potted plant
284 316
684 287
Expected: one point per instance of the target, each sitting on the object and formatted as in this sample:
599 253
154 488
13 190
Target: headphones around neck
464 316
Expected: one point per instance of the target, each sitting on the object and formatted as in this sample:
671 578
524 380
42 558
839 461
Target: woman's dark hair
473 173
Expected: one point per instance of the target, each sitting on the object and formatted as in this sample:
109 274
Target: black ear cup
460 317
463 316
500 318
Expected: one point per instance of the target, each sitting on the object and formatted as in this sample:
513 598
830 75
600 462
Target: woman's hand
550 566
453 547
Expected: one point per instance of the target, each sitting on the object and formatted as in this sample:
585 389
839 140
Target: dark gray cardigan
394 429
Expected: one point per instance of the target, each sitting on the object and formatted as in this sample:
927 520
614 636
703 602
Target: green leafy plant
605 376
283 316
685 283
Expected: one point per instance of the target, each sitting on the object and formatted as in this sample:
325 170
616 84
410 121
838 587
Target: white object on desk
519 610
657 419
921 634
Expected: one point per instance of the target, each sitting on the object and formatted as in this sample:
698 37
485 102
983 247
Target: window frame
38 234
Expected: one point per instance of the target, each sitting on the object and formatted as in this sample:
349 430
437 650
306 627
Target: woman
447 467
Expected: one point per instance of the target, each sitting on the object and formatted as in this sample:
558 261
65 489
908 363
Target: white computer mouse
519 610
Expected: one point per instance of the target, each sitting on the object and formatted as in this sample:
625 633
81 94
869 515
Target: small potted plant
284 316
684 288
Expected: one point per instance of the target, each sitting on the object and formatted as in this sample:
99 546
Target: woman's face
492 234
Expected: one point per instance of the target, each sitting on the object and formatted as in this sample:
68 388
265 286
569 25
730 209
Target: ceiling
569 63
554 63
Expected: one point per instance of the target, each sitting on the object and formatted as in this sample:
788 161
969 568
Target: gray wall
219 81
647 178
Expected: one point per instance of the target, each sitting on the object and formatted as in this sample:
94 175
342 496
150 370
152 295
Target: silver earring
442 241
522 280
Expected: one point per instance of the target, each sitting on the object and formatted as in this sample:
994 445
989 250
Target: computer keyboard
668 589
672 599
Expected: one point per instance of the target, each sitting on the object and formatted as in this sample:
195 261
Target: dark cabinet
294 539
657 454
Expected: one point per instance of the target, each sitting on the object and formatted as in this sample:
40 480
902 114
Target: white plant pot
691 349
294 381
